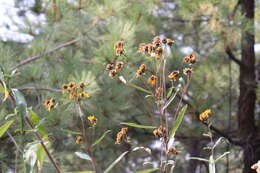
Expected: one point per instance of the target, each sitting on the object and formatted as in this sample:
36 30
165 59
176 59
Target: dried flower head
120 135
119 65
71 86
82 85
173 75
158 52
172 150
141 70
187 71
65 87
170 42
110 66
141 47
204 115
93 120
49 104
112 73
119 48
191 58
156 41
160 132
152 80
79 140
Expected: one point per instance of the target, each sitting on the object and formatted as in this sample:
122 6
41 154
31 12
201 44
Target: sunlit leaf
171 98
178 121
101 138
83 155
198 158
138 125
223 155
139 88
5 127
212 167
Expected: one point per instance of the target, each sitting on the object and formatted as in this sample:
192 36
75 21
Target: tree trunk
247 84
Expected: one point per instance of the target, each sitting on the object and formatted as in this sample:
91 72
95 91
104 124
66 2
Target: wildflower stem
37 135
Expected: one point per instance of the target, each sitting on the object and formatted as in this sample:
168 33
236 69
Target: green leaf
176 125
116 162
178 121
171 98
34 117
139 88
83 156
148 170
5 127
21 106
101 138
138 125
169 93
198 158
71 132
4 86
30 156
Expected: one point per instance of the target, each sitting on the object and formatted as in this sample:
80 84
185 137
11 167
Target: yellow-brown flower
112 73
141 70
49 104
152 80
120 135
71 86
79 140
65 87
84 94
119 65
170 42
119 48
159 132
205 115
110 66
173 75
93 120
172 150
156 41
158 52
191 58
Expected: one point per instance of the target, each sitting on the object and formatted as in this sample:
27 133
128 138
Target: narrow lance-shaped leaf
176 125
21 106
101 138
139 88
223 155
138 125
148 170
2 82
115 162
171 98
71 132
5 127
212 167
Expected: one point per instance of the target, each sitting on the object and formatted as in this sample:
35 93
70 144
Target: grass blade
116 162
138 125
101 138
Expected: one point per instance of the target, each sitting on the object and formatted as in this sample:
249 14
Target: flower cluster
49 104
75 91
119 48
120 135
205 115
114 68
141 71
155 49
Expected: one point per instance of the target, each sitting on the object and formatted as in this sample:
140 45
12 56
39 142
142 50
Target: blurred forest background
72 40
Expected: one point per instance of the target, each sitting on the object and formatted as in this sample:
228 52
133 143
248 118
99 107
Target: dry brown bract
141 71
191 58
120 135
152 80
119 48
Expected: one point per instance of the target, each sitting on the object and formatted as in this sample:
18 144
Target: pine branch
33 58
40 88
